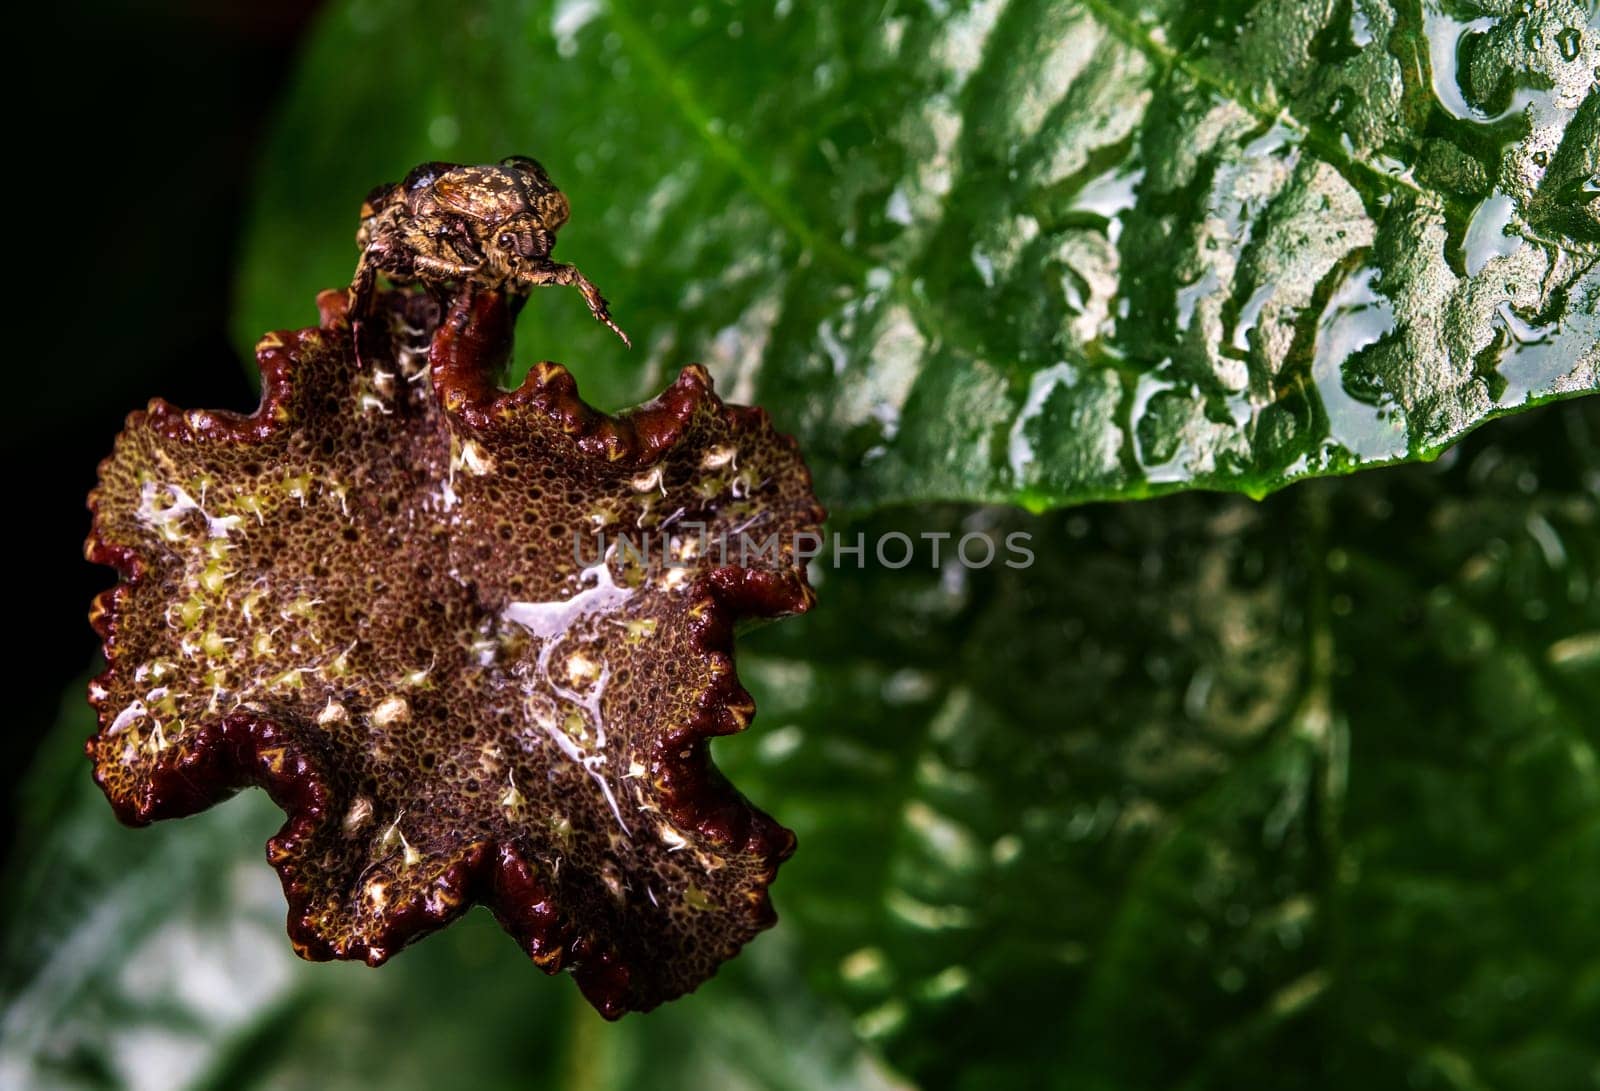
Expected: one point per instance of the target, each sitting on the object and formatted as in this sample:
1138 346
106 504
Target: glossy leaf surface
1035 252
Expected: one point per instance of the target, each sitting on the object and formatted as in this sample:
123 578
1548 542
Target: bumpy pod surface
386 597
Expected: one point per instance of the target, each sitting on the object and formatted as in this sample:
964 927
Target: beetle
492 226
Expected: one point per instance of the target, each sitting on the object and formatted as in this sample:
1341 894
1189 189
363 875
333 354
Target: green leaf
1035 252
1215 794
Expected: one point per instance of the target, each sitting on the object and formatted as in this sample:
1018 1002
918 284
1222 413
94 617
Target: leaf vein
1327 149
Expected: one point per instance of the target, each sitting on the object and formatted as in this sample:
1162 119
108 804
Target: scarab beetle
488 225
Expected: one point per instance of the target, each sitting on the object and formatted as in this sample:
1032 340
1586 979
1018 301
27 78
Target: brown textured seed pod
368 598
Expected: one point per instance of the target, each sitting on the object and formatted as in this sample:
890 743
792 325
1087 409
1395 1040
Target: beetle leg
363 283
363 295
553 272
377 239
428 267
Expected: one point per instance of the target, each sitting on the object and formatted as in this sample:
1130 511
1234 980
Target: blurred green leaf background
1220 792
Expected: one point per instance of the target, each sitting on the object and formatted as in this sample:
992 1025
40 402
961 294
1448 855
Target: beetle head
544 199
524 240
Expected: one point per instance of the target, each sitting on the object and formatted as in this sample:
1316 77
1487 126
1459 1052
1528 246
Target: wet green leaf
1215 794
1034 252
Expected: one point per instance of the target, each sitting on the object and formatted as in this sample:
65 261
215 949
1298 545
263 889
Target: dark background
129 214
